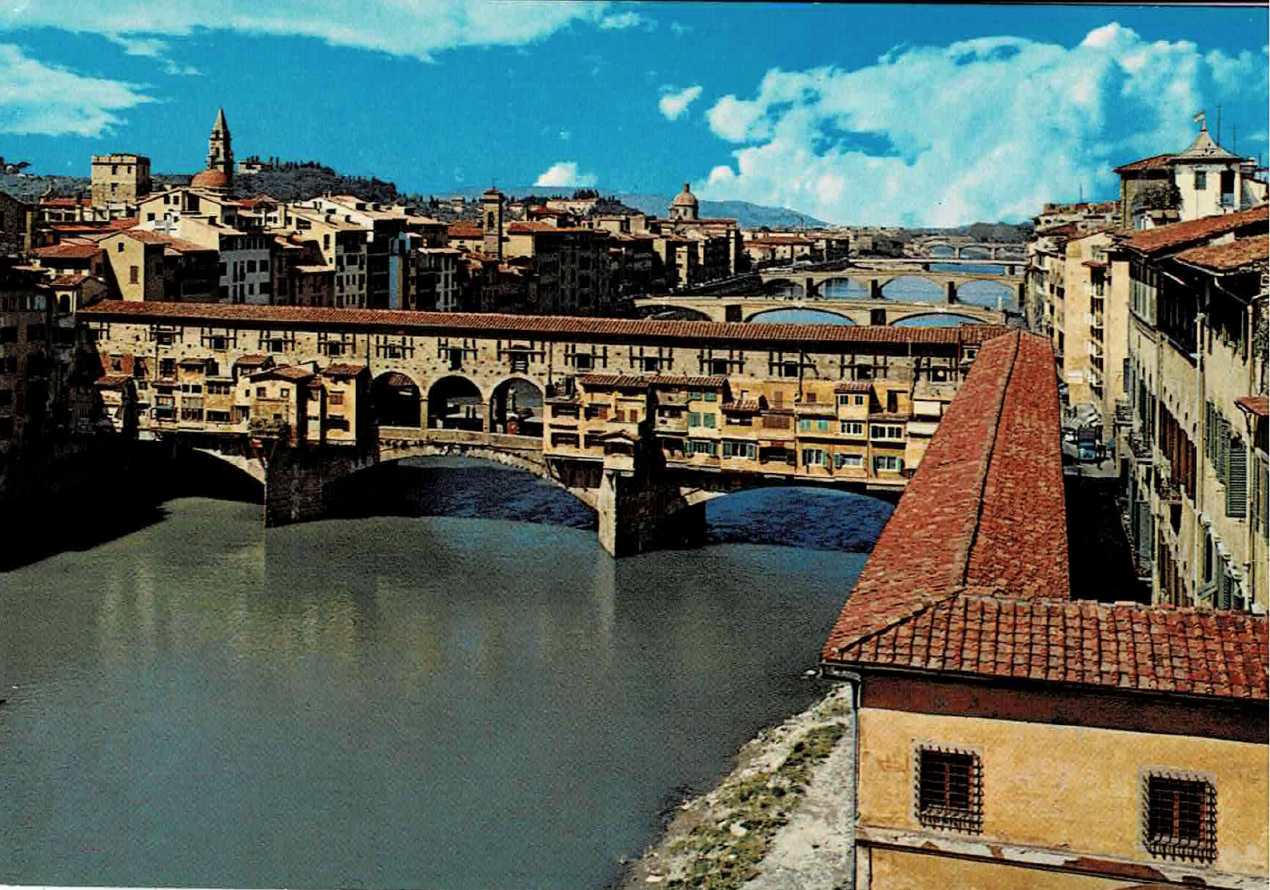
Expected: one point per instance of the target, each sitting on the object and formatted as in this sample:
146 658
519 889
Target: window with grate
950 790
1181 818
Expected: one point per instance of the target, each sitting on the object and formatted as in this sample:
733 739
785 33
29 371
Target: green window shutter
1237 479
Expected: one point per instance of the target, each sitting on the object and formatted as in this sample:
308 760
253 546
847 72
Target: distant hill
286 185
749 216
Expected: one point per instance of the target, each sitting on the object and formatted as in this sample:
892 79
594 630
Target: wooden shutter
1237 478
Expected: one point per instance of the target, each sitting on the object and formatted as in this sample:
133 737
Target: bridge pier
296 479
810 288
875 288
642 512
950 292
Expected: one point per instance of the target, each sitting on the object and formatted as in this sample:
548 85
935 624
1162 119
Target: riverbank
781 820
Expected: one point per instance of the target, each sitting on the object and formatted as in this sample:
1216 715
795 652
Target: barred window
1181 818
950 789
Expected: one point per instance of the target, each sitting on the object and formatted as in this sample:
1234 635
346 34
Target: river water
472 699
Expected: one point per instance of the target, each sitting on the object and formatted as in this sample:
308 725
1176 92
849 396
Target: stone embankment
781 820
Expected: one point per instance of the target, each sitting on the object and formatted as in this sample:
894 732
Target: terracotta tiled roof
253 360
1228 257
1259 405
67 250
560 326
615 381
743 406
1124 646
287 372
1155 162
342 369
970 574
856 386
69 280
1193 231
709 382
462 231
112 381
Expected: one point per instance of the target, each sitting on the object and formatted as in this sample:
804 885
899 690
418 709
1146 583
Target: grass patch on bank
726 853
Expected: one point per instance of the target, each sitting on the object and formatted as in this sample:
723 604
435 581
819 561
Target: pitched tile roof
1193 231
1228 257
970 574
707 382
615 381
1259 405
112 381
1155 162
553 326
67 250
342 369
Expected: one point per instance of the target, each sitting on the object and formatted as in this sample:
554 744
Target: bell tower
492 221
220 151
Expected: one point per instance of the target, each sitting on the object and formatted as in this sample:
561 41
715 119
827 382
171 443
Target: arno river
475 699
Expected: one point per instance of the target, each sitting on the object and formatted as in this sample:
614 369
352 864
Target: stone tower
220 151
492 221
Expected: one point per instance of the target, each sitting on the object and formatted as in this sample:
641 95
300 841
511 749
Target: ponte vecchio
642 420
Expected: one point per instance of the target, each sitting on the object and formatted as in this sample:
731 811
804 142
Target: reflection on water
396 701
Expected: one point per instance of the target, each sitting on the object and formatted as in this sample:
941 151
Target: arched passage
941 250
396 400
469 483
798 316
971 252
844 289
912 289
987 293
515 408
456 403
815 517
783 287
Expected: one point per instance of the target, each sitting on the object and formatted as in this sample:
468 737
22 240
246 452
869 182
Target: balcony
1123 413
1141 448
671 424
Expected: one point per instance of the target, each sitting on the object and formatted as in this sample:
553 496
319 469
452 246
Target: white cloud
44 99
565 173
419 28
674 103
981 129
627 19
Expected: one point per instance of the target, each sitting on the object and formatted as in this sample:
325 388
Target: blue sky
869 114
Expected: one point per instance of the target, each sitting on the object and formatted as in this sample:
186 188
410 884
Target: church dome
210 179
685 198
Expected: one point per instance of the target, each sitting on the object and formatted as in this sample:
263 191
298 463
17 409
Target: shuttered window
1236 478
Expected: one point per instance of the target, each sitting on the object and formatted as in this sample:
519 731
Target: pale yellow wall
1064 787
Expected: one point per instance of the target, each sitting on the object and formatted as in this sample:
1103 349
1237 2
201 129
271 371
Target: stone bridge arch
794 288
914 319
817 307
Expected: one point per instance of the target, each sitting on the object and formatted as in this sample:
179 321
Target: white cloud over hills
981 129
565 174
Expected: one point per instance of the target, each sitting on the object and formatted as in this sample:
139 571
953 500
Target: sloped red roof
67 250
315 317
1228 257
970 574
1259 405
1164 238
342 369
1155 162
